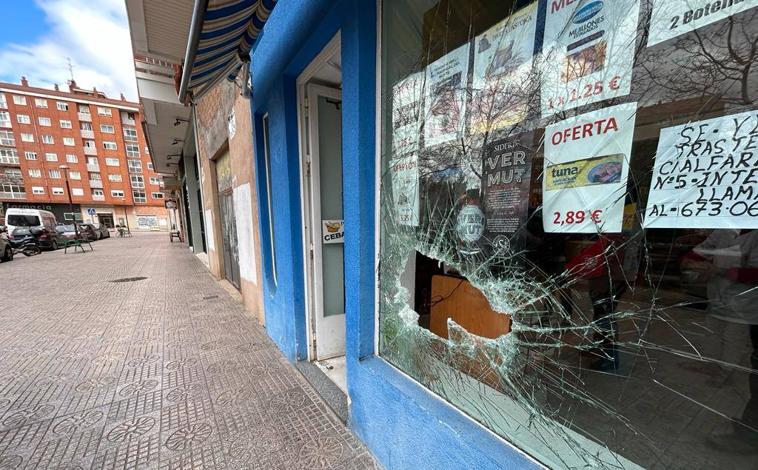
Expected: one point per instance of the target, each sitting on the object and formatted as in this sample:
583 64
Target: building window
130 134
89 144
106 128
115 178
30 155
138 181
107 145
83 108
132 151
117 193
23 119
19 100
154 180
54 174
71 158
51 157
85 126
111 162
77 192
47 139
95 177
57 191
27 137
98 192
3 101
38 190
7 138
157 195
65 124
147 150
61 106
5 119
150 166
75 175
40 102
269 206
139 196
45 121
35 173
103 111
69 141
8 156
135 166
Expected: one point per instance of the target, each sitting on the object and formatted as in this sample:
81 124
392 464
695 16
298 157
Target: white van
29 218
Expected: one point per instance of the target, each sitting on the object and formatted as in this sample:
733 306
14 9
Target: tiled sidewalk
165 372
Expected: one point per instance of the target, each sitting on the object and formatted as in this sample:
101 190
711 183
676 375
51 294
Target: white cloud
95 35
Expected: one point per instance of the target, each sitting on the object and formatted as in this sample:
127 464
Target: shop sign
585 171
588 52
672 18
706 175
333 231
445 101
506 174
502 64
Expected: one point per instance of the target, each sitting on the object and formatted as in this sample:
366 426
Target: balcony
6 160
87 134
86 117
90 150
93 167
98 197
12 195
96 184
126 121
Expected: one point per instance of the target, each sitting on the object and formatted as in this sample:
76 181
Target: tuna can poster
588 52
445 98
672 18
502 65
706 175
506 174
586 169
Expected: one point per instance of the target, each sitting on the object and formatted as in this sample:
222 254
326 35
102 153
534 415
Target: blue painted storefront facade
403 424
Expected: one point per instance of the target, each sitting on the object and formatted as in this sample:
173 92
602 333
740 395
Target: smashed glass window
569 200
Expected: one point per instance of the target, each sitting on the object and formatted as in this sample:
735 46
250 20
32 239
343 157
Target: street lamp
65 169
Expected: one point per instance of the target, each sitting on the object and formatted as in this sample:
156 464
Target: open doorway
320 99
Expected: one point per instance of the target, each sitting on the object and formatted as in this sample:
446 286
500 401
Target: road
101 369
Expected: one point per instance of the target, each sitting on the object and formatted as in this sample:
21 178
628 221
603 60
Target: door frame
331 48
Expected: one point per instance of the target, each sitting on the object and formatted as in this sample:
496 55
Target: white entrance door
324 174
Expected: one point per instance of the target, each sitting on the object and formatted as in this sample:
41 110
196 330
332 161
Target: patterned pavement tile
165 373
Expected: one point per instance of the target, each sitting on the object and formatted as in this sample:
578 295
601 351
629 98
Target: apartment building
51 140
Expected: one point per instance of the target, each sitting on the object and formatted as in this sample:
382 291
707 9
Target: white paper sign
404 174
332 231
243 215
588 52
445 100
502 64
706 175
672 18
406 113
586 168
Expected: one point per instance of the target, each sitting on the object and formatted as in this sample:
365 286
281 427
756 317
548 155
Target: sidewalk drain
129 279
209 297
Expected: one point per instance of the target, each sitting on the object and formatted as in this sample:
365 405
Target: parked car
15 217
6 252
86 231
102 231
47 238
89 232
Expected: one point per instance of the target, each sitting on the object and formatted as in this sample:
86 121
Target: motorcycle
24 241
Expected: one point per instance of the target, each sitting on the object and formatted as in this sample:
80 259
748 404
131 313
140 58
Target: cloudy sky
38 36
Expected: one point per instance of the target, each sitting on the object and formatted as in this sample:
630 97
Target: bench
76 243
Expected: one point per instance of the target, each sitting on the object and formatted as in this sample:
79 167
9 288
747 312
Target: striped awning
221 36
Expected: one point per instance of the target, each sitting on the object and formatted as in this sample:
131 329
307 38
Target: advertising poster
406 111
445 103
405 189
672 18
502 64
706 175
506 175
586 169
588 52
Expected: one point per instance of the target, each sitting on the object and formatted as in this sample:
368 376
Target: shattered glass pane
569 200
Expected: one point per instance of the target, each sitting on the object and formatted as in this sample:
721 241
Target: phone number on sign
577 217
588 90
